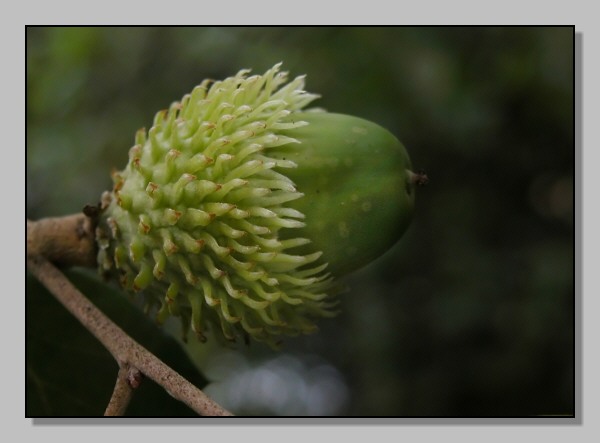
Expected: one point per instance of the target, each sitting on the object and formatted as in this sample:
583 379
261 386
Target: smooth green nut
357 184
238 210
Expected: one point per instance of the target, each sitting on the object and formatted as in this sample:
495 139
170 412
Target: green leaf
70 373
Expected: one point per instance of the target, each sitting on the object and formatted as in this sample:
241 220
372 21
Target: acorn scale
239 210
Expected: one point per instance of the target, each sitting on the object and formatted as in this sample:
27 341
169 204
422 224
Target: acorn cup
238 211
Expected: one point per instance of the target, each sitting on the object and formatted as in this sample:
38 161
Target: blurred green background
471 313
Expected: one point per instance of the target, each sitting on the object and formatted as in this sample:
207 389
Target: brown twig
65 241
123 348
122 393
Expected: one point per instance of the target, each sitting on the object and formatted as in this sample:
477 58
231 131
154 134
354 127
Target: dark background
471 313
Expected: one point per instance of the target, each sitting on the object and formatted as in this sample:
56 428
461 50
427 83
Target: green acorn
237 210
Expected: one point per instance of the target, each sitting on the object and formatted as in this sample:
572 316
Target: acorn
239 210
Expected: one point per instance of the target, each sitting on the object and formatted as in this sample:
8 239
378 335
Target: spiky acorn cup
237 210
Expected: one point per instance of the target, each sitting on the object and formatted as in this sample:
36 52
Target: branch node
134 377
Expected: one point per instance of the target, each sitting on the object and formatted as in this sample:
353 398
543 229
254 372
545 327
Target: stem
65 241
123 348
122 393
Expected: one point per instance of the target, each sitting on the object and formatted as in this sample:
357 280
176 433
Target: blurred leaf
69 373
